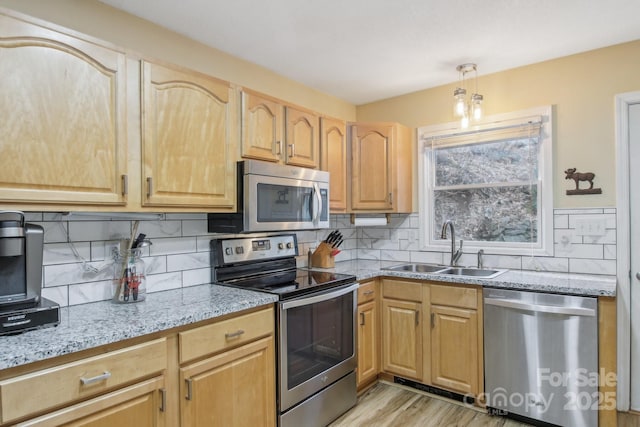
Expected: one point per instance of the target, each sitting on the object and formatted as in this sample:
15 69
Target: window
494 182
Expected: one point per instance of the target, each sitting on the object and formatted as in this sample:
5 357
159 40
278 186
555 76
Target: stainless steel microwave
274 197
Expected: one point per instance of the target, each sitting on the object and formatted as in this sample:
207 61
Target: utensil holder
322 257
129 280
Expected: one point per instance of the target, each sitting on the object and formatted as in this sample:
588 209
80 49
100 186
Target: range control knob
290 245
280 245
228 251
239 250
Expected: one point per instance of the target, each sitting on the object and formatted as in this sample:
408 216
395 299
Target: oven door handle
319 298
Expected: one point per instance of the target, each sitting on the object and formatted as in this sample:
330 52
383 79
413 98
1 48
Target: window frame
544 245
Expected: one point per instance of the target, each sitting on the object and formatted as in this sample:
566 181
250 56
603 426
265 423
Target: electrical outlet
590 226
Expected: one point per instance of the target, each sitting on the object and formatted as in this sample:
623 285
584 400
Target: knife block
322 258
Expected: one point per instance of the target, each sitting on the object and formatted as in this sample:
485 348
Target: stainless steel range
316 318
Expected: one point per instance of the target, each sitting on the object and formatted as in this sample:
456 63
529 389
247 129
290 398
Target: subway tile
188 261
385 244
427 257
159 229
65 274
99 230
155 264
54 232
400 256
198 276
370 254
610 252
91 292
203 243
375 233
57 294
513 262
578 211
607 267
62 253
173 245
580 251
195 227
33 216
164 282
609 238
560 221
545 264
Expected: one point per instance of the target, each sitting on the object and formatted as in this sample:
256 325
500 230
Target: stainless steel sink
485 273
416 268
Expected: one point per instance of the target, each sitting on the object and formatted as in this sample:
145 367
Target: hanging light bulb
467 109
459 105
476 106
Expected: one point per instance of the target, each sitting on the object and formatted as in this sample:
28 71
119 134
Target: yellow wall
580 87
106 23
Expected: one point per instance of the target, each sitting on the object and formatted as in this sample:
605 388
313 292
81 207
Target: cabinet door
333 146
302 138
235 388
454 347
139 405
63 109
188 139
402 338
367 343
372 169
262 121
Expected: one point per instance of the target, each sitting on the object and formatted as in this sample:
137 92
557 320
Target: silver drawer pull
104 376
236 334
367 293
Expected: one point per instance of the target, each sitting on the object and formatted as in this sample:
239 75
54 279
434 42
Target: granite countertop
562 283
92 325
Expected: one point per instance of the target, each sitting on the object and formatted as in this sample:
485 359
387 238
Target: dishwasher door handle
571 311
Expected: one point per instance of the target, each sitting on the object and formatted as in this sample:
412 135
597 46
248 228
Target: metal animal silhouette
581 176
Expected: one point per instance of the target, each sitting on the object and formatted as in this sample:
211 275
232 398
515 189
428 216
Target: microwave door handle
317 207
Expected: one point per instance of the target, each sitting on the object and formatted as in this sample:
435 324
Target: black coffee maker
21 249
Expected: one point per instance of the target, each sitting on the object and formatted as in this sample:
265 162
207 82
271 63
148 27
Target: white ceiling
367 50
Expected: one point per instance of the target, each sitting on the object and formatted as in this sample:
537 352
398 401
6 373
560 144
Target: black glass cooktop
291 283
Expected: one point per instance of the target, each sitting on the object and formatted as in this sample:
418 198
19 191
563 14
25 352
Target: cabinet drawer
367 292
41 390
454 296
228 333
402 289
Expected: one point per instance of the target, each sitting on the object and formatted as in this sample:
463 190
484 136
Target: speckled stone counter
91 325
562 283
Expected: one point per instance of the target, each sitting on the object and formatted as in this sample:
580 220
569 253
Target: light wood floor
390 405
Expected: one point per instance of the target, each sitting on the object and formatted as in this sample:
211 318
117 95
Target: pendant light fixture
467 109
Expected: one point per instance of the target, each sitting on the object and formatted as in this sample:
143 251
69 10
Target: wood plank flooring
391 405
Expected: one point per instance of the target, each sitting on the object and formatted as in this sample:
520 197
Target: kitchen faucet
455 255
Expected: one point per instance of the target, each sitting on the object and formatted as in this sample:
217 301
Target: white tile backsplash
179 255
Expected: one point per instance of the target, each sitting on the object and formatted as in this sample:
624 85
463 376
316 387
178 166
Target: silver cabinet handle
189 383
293 150
236 334
125 185
571 311
417 317
149 186
391 199
278 147
433 320
361 319
102 377
163 400
367 293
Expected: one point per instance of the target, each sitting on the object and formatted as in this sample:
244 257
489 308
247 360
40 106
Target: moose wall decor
581 176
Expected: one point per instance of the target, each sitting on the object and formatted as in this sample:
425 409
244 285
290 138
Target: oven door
276 203
316 343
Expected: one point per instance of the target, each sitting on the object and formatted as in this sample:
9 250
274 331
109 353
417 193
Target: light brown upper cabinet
280 133
188 138
381 168
63 128
302 140
333 149
262 121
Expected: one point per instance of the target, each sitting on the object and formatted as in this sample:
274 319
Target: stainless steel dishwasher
541 357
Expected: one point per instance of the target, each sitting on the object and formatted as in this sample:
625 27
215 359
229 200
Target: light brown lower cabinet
221 372
230 389
367 343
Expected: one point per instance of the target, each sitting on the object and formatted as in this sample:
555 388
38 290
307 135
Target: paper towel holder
387 216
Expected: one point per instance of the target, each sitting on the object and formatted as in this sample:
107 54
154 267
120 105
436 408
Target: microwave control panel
256 248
